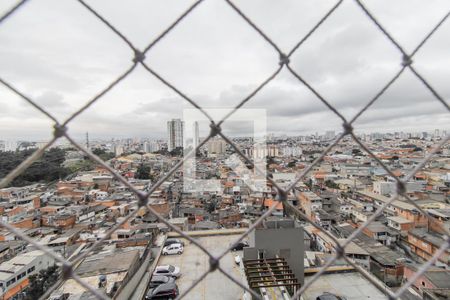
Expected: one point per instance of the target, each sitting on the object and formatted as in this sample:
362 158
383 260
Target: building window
21 275
423 283
30 270
261 254
11 282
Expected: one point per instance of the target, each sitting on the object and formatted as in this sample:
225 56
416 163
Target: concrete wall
137 286
250 253
284 242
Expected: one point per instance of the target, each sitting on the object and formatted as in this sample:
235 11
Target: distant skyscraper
151 146
174 134
329 135
436 133
196 141
118 150
216 146
146 147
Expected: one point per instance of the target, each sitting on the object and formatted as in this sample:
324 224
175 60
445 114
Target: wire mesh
60 130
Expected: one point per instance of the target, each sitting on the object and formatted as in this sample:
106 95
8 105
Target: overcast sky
60 55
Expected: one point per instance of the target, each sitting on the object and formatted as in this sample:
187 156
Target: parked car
329 296
173 249
239 246
171 241
163 291
167 270
157 280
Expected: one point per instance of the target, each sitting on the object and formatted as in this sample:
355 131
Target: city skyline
151 144
82 137
431 133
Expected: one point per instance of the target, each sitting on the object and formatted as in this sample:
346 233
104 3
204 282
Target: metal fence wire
60 130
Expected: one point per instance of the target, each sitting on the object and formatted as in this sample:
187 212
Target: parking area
194 262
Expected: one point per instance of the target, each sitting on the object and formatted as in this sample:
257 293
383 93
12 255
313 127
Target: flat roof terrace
194 262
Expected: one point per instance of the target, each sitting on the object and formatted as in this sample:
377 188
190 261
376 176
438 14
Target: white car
237 260
167 270
173 249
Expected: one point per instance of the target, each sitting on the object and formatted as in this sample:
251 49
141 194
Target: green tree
103 154
81 165
178 151
331 184
46 169
40 282
211 206
35 289
357 152
143 172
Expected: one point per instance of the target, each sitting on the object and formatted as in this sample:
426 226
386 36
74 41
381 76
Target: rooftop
440 279
349 285
443 213
423 234
17 263
377 251
105 263
397 203
399 220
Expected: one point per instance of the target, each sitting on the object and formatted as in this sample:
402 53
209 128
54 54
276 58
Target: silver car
167 270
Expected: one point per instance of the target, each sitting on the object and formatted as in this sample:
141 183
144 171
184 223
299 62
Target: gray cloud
61 55
51 99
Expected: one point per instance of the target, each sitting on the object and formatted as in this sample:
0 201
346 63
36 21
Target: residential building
15 272
175 134
278 238
425 244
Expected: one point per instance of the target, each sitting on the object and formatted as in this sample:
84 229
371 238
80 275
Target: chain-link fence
283 61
